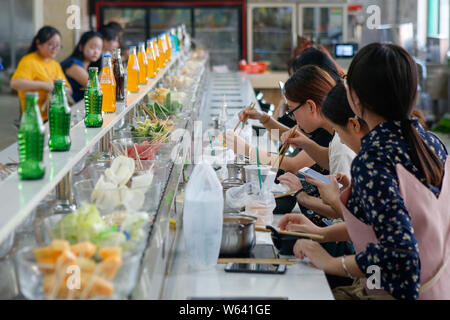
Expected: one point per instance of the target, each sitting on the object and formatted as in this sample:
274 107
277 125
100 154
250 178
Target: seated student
337 158
38 70
116 27
397 180
110 39
315 57
351 129
308 56
86 54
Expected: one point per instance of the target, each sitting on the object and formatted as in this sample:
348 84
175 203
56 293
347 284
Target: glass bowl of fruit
79 271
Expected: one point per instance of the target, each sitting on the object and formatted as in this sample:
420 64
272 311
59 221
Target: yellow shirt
33 67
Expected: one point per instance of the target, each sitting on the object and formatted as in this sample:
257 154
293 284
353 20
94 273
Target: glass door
323 23
162 19
218 30
132 19
271 34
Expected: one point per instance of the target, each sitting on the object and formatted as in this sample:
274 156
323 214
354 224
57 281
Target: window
438 18
16 31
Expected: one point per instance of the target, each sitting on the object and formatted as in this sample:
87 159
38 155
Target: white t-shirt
340 156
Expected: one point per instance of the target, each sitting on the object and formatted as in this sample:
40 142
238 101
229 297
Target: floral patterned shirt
376 201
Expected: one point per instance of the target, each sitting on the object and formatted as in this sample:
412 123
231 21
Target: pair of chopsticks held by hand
285 147
251 106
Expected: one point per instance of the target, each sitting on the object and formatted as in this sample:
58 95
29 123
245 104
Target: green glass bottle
59 119
93 97
31 140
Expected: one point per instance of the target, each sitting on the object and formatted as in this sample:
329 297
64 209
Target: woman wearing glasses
396 208
37 70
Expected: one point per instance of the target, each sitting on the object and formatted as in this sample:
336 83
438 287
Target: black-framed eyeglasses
290 114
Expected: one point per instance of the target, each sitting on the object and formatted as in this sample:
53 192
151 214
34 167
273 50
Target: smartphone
281 84
315 175
256 268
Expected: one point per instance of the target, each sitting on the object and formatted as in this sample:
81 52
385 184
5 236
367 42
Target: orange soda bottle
133 71
168 43
151 63
108 85
162 58
143 64
157 55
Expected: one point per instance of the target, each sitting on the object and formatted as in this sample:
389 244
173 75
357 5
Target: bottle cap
107 55
93 69
61 81
132 47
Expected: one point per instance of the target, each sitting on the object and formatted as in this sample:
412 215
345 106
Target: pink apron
430 218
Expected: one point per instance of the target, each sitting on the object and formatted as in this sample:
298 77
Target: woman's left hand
329 192
317 255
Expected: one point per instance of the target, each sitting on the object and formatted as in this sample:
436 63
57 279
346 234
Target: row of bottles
101 94
147 61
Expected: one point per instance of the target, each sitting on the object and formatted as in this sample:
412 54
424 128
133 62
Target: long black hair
315 57
109 33
78 51
384 78
44 34
336 107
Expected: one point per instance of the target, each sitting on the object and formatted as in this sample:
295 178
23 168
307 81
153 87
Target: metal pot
238 235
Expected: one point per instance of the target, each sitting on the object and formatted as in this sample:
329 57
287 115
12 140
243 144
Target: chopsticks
284 261
285 147
251 106
262 229
296 234
284 195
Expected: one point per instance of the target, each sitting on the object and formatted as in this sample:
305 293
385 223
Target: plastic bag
203 217
257 202
236 198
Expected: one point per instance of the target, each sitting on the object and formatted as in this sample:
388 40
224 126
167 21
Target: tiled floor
9 112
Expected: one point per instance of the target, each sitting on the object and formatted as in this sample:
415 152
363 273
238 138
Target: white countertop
19 198
300 282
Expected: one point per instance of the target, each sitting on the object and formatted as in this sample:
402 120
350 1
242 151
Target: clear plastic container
261 208
251 173
31 276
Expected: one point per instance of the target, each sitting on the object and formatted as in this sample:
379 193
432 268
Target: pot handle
274 231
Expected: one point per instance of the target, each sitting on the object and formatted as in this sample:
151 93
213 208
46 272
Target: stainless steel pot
236 173
238 235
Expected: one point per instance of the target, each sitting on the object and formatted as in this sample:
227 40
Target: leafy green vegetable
168 109
82 225
148 129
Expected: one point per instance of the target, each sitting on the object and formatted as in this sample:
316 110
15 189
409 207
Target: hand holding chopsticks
285 147
251 106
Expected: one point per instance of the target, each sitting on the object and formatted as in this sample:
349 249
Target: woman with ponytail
396 209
